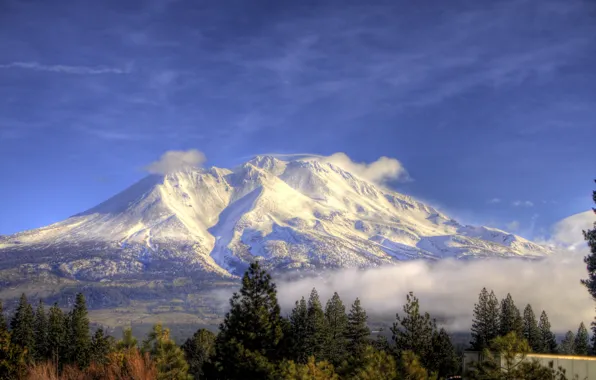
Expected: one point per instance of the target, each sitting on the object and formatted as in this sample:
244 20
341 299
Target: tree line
255 341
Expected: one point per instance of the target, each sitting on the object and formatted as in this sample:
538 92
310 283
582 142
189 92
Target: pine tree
590 259
357 332
531 331
299 331
548 342
78 334
376 365
311 370
128 340
486 320
199 350
567 346
317 337
414 331
168 357
57 335
250 335
337 322
3 325
581 344
510 318
101 346
21 326
42 349
13 363
445 361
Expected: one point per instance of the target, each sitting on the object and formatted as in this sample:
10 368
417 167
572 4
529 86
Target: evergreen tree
311 370
590 259
548 342
445 361
42 349
21 325
410 368
299 332
357 332
57 335
581 345
249 339
168 357
510 318
199 350
128 340
531 331
79 339
567 346
101 346
376 365
3 325
486 320
12 358
317 336
414 331
337 322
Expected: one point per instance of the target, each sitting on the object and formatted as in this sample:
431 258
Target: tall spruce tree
40 327
445 361
298 332
567 345
101 346
510 318
57 335
168 357
548 342
337 322
199 350
581 344
128 340
590 259
21 325
317 337
414 331
247 345
79 335
357 332
485 326
531 331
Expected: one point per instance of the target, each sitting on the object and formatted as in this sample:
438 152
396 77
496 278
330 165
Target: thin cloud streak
65 69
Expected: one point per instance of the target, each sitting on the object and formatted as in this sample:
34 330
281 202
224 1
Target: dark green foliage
567 345
548 342
317 330
510 319
298 332
57 335
414 332
101 346
531 331
337 322
590 259
12 358
128 341
445 361
79 341
21 326
357 333
40 327
250 335
485 326
199 350
581 344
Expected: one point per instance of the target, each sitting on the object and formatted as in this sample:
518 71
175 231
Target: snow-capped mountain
299 214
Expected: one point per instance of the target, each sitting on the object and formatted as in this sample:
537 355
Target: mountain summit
299 214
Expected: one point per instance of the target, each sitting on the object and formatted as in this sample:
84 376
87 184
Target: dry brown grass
128 365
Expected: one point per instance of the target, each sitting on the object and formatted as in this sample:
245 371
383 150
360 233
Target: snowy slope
295 214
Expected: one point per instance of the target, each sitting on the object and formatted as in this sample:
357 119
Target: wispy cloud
65 69
523 203
494 201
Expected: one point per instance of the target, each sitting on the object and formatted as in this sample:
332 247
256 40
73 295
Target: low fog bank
448 289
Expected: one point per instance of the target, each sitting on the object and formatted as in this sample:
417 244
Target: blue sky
489 105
